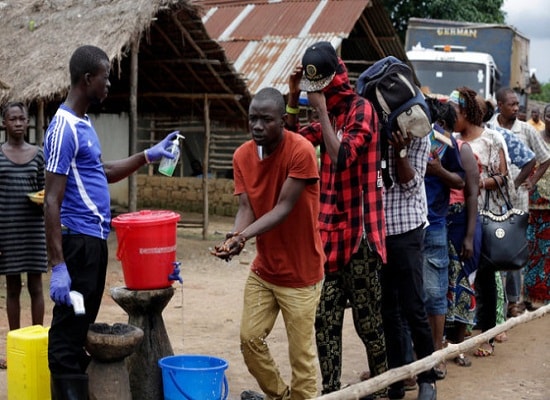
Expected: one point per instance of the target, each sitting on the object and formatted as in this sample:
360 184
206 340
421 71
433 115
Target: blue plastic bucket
194 377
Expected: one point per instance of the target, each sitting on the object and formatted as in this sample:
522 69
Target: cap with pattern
319 62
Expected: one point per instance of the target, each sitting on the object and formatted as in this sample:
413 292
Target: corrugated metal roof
339 16
267 39
270 63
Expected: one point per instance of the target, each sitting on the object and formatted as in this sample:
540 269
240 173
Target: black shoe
251 395
69 387
396 393
427 391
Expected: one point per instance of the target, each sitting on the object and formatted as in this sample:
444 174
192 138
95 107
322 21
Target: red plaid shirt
351 190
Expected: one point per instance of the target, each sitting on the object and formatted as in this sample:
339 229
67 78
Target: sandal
364 375
462 361
483 351
440 371
501 337
515 310
409 384
530 306
3 363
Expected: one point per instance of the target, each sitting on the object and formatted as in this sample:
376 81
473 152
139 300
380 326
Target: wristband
146 158
292 110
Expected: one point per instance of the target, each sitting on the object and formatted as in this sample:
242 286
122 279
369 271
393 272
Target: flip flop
484 351
3 364
462 361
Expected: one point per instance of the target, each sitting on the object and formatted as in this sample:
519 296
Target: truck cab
479 55
443 68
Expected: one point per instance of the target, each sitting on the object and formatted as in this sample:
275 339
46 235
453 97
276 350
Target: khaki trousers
262 303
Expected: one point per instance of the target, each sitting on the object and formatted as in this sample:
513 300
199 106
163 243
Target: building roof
266 39
178 61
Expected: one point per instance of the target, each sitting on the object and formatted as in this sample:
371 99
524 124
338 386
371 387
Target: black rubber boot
69 387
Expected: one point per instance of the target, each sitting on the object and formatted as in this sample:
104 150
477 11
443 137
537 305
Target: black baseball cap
320 62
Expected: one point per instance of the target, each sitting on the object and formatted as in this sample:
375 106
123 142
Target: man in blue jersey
77 216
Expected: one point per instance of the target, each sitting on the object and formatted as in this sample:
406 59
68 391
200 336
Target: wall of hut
112 130
186 194
181 192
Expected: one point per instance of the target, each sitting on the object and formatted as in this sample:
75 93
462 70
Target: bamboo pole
39 130
133 123
205 162
381 381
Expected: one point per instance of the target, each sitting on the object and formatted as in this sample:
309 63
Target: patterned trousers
359 283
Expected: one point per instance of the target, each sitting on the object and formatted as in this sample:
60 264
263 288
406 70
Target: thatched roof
178 61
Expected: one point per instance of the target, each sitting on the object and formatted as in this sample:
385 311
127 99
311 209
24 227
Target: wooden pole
205 167
381 381
132 179
39 123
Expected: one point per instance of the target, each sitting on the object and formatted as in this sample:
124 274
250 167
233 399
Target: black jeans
486 296
403 298
86 258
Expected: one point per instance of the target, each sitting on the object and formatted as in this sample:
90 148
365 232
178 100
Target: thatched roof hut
165 66
178 61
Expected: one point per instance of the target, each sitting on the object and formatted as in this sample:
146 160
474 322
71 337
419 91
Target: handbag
504 241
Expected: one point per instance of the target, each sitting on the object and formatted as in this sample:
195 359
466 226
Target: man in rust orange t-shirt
277 181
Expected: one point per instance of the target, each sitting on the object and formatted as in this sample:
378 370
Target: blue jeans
436 270
513 285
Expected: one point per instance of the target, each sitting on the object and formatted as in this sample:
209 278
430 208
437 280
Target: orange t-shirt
291 254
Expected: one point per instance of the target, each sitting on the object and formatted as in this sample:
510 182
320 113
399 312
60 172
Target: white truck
448 54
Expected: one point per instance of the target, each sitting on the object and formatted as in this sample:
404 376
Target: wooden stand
109 346
144 308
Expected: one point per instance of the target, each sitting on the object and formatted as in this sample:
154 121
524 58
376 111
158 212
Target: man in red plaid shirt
351 218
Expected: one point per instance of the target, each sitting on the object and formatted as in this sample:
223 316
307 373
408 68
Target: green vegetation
487 11
544 94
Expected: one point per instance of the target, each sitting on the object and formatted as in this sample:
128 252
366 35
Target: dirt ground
203 318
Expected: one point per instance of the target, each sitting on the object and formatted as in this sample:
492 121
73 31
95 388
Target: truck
485 57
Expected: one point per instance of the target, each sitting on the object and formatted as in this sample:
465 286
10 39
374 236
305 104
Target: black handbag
504 241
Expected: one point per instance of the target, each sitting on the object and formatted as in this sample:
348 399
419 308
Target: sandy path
203 318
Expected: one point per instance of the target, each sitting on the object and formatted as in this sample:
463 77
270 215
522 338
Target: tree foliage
544 94
487 11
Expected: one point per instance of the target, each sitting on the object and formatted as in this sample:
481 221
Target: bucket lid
146 217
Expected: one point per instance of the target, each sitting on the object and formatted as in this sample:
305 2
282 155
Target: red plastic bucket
146 247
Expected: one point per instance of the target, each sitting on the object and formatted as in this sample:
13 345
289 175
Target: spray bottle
168 165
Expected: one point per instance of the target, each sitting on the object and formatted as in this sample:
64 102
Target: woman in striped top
22 238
